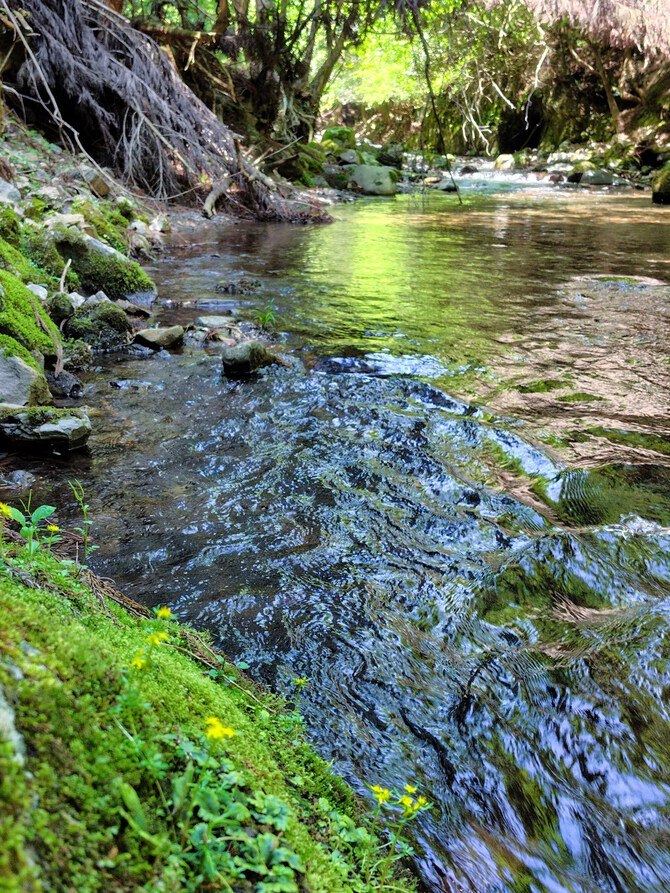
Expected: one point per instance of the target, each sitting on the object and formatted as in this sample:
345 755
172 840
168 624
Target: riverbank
134 756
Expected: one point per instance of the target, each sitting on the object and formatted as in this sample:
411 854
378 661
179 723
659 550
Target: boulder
20 383
44 428
245 358
469 169
213 322
446 184
660 187
391 155
373 180
349 156
38 290
504 163
95 181
102 325
159 338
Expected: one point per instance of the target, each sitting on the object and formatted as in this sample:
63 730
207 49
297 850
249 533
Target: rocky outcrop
21 384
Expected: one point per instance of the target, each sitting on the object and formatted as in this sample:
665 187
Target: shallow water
478 613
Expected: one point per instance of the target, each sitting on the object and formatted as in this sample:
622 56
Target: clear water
471 571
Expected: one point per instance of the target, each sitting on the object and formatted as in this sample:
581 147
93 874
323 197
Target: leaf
133 805
44 511
17 515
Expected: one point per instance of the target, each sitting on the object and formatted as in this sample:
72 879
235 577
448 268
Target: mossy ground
111 725
18 312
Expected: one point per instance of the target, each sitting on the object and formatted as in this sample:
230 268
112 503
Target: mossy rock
340 137
10 230
44 428
12 260
103 326
98 266
18 310
660 189
60 307
12 348
42 255
110 225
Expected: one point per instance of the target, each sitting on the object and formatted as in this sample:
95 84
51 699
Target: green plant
29 523
266 318
85 529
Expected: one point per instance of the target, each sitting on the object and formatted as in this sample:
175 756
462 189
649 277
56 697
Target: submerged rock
64 386
44 428
245 358
159 338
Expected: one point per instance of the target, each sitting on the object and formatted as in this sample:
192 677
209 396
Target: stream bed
451 515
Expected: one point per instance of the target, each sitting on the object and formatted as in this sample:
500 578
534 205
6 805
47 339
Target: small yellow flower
421 802
163 613
216 731
381 794
301 681
410 789
5 510
157 638
407 804
53 528
138 662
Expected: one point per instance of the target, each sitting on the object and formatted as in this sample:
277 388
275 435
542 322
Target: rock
60 307
469 169
341 137
64 386
9 733
349 156
95 181
373 180
245 358
74 221
504 163
245 285
44 428
76 299
9 195
660 187
161 338
597 177
20 383
160 224
51 196
133 309
213 322
445 185
98 298
38 290
102 325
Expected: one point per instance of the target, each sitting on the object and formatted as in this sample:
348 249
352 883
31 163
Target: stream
451 514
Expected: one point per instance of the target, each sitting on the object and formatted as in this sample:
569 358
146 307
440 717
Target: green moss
338 138
579 397
107 745
10 230
541 387
40 248
12 260
17 317
114 274
109 225
660 189
11 347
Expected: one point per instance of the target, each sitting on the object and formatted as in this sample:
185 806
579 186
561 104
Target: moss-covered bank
127 765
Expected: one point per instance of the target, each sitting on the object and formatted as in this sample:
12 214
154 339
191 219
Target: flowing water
449 515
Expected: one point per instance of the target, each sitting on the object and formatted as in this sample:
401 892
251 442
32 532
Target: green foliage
16 263
17 317
266 318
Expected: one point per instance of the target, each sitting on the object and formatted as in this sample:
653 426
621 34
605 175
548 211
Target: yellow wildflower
421 802
381 794
53 528
301 681
410 789
138 662
157 638
5 510
216 731
407 804
163 613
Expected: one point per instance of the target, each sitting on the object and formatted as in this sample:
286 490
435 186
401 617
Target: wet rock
446 185
504 163
660 188
64 386
349 156
133 309
243 286
9 195
160 224
391 155
159 338
373 180
469 169
245 358
20 383
44 428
